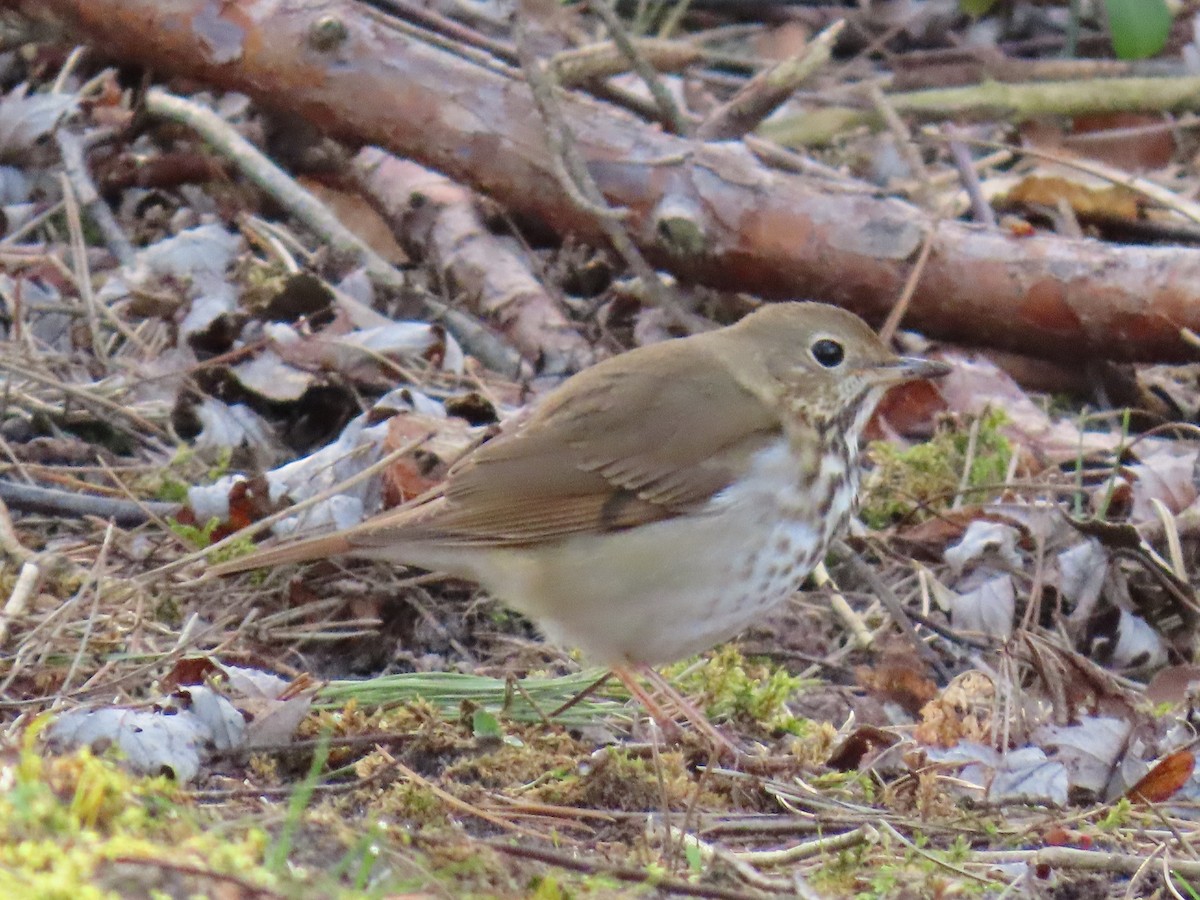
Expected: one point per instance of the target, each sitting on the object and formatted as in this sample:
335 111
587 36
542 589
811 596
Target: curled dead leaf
1168 775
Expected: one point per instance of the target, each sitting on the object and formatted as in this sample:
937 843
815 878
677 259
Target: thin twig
70 145
852 620
263 524
933 857
668 108
894 607
888 330
1156 193
745 870
94 577
904 142
592 62
81 273
835 843
432 19
428 34
1080 860
48 501
454 802
141 427
238 886
10 543
790 161
964 480
982 210
18 600
767 90
574 178
622 873
569 167
260 170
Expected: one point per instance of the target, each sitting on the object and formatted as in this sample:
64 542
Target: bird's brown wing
618 446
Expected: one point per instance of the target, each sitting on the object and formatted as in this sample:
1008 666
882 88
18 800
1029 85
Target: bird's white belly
670 589
663 592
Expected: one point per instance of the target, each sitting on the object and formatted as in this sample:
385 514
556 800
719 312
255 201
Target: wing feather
618 446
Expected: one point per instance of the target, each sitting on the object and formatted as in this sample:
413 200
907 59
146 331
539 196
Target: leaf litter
1041 550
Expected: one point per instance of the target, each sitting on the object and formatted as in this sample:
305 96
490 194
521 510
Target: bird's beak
910 368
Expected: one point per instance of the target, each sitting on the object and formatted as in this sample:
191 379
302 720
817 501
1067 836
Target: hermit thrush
658 502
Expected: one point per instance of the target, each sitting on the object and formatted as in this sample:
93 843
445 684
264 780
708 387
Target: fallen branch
763 93
439 219
312 212
762 231
581 65
1081 860
280 186
997 100
48 501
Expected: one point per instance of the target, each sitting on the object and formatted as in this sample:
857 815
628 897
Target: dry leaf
1089 750
1165 779
1087 200
898 678
860 747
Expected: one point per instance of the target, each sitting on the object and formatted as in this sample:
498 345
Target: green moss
848 787
884 883
198 536
904 483
79 826
959 850
546 887
201 536
886 870
619 780
67 823
171 490
1119 815
238 547
733 689
171 482
413 804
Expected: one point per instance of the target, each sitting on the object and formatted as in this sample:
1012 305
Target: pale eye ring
828 353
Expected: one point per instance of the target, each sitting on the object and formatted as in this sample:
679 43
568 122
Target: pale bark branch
439 220
999 100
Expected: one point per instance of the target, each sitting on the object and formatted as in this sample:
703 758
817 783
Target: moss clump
886 870
171 482
80 826
415 804
201 536
751 695
537 756
904 483
619 780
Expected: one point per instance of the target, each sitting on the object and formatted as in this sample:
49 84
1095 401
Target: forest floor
989 694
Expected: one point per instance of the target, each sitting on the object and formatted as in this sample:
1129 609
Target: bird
655 504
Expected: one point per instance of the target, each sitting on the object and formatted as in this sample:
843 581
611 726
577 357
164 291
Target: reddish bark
771 233
438 220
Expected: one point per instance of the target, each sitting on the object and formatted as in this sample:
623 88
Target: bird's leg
681 705
690 712
661 717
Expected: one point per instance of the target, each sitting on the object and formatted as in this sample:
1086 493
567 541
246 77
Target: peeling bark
444 225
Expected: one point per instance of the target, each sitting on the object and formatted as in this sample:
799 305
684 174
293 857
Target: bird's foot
666 705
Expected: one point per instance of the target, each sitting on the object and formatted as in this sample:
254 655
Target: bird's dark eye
828 353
